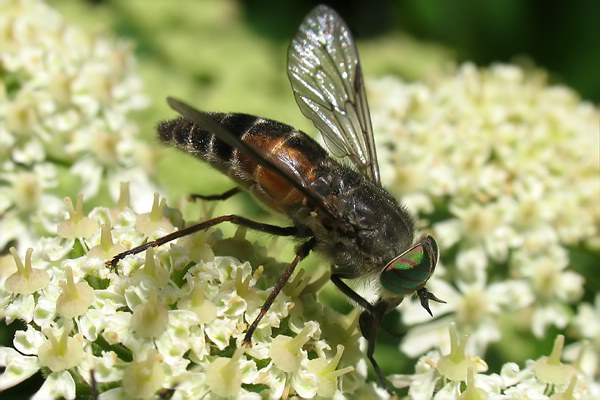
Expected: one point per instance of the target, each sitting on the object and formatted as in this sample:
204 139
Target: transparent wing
326 78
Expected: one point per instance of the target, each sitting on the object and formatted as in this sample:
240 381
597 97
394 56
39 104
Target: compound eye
411 270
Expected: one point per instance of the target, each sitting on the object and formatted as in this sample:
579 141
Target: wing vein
326 77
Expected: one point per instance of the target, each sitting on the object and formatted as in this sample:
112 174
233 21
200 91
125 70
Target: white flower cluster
458 376
171 320
64 100
506 169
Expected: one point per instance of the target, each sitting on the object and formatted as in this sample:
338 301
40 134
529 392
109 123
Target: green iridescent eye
411 270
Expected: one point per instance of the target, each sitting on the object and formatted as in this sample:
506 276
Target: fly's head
404 275
409 272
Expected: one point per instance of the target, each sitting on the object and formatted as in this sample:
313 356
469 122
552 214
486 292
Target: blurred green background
229 55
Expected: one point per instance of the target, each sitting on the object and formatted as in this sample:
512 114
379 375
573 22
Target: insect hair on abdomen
281 142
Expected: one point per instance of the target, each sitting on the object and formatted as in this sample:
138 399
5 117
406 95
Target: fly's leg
369 325
93 385
348 291
368 322
301 253
214 197
234 219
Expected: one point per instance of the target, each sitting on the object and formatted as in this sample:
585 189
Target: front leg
348 291
368 322
301 253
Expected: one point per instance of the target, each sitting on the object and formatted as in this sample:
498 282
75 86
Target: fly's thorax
380 228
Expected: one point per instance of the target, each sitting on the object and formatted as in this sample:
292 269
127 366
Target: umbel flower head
65 96
505 170
170 320
500 165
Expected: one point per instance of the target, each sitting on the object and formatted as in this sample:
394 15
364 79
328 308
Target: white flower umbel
504 170
459 376
65 96
170 320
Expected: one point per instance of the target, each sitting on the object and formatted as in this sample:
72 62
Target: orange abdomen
286 147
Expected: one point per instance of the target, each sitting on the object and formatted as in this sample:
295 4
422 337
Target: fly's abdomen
289 148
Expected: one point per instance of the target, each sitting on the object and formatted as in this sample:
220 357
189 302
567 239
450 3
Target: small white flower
17 367
587 322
